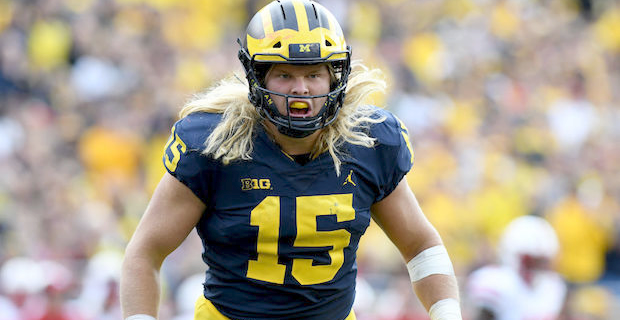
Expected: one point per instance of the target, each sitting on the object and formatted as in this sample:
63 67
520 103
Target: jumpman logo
349 179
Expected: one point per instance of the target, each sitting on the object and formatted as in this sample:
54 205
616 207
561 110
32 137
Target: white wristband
140 317
434 260
446 309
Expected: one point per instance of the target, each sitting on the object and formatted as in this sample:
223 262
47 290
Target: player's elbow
143 254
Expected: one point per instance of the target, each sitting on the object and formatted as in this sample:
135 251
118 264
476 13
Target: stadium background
512 108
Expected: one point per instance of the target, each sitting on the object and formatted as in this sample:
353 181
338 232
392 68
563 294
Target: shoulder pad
194 129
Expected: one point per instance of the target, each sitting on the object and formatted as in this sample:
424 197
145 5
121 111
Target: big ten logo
255 184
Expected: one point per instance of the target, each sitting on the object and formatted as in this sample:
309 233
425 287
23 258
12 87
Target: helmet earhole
327 43
277 45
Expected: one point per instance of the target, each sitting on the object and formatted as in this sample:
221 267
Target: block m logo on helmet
304 50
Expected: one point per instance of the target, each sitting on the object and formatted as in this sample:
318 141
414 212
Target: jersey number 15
266 216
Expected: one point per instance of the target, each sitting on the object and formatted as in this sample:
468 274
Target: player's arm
401 218
170 216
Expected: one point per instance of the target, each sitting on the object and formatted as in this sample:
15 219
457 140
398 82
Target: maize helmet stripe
301 13
287 10
267 25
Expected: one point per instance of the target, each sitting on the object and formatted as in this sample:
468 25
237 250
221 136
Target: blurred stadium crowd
512 106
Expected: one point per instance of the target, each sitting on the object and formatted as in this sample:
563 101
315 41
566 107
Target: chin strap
293 133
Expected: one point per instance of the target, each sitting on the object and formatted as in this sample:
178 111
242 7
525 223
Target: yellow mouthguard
299 105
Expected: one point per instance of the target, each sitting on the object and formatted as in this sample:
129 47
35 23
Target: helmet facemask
286 124
528 246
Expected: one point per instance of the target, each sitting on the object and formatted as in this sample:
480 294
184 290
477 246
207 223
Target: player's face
532 266
303 80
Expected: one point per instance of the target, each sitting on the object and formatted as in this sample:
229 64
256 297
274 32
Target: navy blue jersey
279 237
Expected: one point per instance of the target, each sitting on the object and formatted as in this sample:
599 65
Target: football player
523 285
281 176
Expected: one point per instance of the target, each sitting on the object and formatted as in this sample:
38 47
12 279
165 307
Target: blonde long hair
232 138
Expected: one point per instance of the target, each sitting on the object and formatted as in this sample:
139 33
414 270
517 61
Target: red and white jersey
503 291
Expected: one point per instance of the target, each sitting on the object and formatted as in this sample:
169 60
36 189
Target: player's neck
292 146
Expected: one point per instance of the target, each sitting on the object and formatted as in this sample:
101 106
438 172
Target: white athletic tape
446 309
434 260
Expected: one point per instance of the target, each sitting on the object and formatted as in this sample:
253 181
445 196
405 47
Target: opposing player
281 181
523 286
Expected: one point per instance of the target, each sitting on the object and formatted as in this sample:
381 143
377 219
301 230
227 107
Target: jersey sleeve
183 156
394 151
